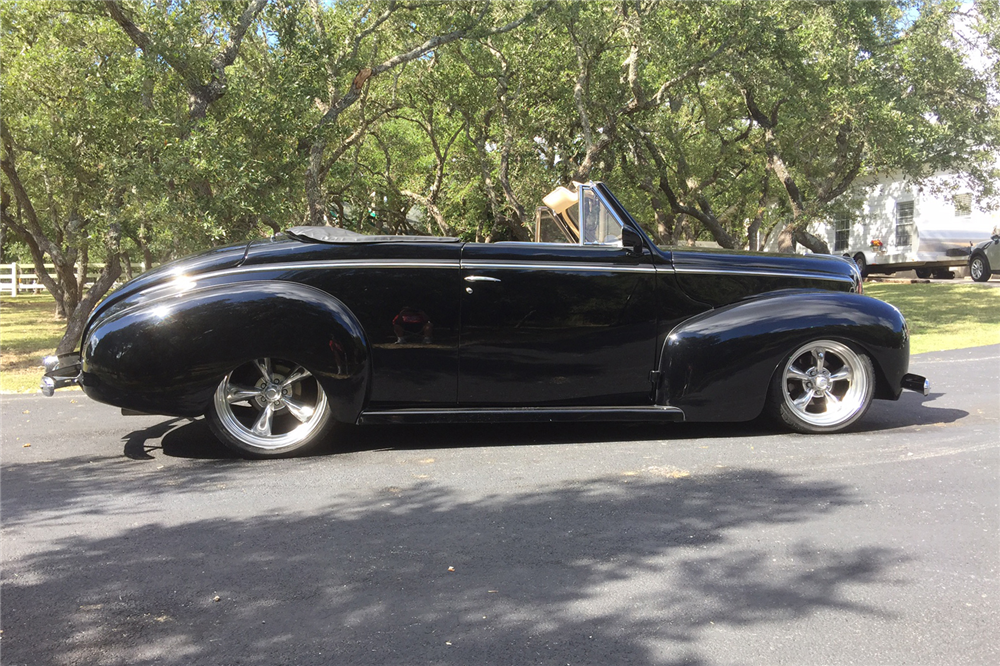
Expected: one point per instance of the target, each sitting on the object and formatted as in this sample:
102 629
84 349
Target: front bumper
60 371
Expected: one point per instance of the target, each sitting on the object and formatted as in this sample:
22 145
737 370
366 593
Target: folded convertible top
338 235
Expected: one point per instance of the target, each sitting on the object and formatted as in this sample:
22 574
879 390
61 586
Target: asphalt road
137 540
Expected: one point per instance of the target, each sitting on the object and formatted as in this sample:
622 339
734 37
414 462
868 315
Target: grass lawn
941 316
944 316
29 330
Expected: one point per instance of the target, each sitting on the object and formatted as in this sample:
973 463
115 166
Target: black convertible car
277 340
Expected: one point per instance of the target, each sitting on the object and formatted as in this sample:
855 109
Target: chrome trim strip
646 409
475 264
516 265
411 263
763 272
520 414
358 263
344 264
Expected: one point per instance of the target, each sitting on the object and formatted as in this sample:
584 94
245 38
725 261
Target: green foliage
651 97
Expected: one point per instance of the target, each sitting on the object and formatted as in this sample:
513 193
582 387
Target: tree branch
431 208
200 94
32 228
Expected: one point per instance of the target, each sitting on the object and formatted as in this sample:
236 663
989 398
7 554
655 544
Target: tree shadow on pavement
606 571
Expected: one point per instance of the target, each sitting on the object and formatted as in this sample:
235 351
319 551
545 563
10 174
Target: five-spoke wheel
269 407
823 386
979 268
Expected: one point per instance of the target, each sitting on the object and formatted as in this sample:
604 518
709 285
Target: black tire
979 268
270 408
923 273
816 377
862 264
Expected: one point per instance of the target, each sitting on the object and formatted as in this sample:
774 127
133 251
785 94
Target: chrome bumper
60 371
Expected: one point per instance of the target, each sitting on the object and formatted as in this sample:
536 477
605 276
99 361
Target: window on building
904 223
963 205
841 232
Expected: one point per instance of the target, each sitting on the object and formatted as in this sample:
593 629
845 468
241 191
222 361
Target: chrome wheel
824 386
979 269
269 407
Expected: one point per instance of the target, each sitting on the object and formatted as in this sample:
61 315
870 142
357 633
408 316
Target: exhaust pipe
916 383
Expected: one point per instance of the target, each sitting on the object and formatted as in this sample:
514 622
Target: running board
520 415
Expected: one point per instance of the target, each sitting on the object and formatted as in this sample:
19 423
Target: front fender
718 365
167 355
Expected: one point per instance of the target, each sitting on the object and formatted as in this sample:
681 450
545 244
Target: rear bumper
60 371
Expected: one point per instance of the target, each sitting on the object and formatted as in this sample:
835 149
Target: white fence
20 278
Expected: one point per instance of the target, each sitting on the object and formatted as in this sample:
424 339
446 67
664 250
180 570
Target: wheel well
883 387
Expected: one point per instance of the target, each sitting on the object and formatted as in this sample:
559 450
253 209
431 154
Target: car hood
720 277
729 260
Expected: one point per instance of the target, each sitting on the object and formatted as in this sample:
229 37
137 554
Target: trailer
898 226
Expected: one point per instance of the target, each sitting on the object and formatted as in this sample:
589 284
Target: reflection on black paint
412 325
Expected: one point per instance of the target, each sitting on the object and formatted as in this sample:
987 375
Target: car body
278 339
984 260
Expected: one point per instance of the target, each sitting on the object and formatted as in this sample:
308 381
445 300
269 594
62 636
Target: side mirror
632 241
996 239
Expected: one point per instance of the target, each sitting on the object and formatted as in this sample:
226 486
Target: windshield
565 212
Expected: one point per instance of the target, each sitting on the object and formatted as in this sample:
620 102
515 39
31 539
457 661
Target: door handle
480 278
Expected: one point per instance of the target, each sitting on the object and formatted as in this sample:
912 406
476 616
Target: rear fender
168 355
718 365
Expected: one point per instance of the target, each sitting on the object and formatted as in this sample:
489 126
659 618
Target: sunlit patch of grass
944 316
29 330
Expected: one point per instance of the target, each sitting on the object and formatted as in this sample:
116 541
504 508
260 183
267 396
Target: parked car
985 259
278 339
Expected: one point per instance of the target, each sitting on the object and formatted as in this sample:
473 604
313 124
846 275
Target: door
546 324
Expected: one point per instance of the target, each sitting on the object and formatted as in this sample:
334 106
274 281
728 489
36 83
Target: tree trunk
786 240
664 219
516 225
77 318
666 225
714 226
316 215
753 233
147 257
813 243
83 265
